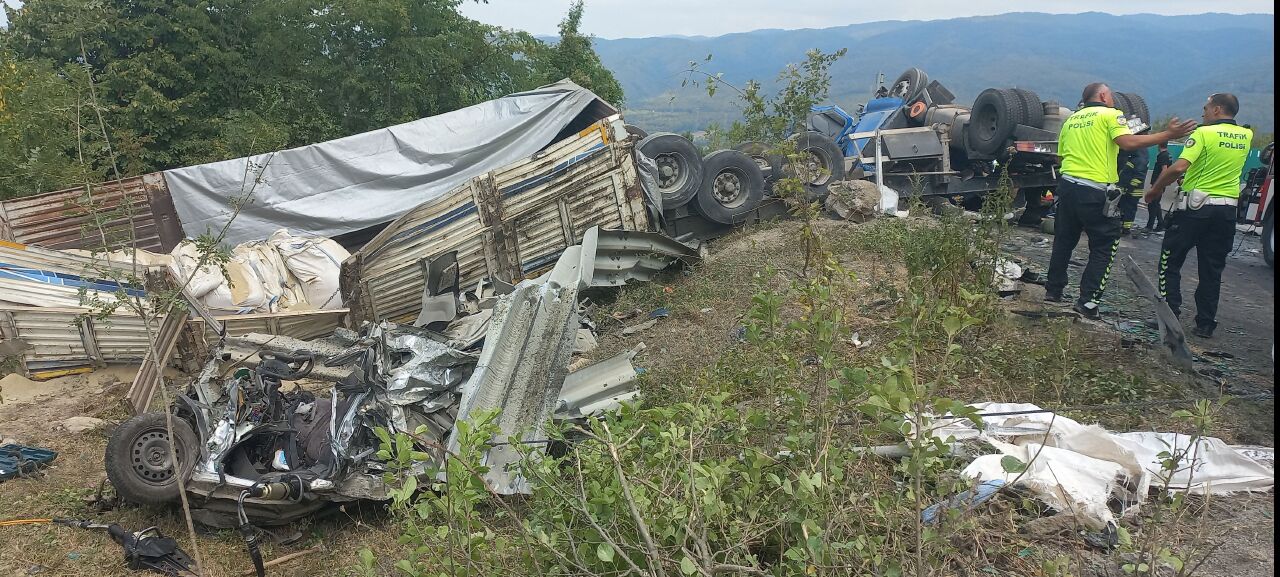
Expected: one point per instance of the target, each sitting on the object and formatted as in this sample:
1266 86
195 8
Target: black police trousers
1080 210
1211 231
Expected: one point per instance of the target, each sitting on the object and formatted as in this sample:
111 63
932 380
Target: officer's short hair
1229 103
1091 92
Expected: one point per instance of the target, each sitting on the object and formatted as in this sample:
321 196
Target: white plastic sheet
1078 468
352 183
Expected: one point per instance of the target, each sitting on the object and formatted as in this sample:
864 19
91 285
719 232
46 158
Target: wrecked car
254 445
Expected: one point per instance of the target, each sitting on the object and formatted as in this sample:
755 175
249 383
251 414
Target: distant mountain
1172 61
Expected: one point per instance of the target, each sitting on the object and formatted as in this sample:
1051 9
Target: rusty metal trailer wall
62 219
509 223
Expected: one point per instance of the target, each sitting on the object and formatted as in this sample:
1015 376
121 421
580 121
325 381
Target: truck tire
635 131
991 122
1269 236
679 167
1033 106
916 82
769 161
732 187
825 163
138 462
1133 105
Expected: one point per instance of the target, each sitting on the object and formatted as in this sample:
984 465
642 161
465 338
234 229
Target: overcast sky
637 18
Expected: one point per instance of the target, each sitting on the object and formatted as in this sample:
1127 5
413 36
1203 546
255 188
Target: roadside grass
1049 362
698 357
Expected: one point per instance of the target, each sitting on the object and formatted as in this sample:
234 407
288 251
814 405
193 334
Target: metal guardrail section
620 255
523 366
509 223
58 219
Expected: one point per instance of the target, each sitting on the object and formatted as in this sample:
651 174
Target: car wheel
732 187
138 460
679 167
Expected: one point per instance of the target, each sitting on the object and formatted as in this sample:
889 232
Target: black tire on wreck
994 115
679 167
635 131
1033 107
825 163
1133 105
138 461
770 162
916 81
732 187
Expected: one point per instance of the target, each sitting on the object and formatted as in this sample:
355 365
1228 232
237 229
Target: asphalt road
1241 349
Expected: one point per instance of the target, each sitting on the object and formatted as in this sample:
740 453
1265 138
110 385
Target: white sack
316 263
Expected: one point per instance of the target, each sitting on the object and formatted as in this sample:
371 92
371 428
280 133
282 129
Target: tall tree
183 82
574 57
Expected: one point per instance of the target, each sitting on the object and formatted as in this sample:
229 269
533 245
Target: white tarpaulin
351 183
1080 468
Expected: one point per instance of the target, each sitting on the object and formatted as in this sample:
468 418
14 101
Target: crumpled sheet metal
531 338
431 368
1081 468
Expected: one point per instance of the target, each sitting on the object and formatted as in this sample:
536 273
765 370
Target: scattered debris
1006 279
17 460
584 342
600 387
644 326
147 549
1175 342
966 500
659 313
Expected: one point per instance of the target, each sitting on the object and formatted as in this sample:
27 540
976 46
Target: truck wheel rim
672 174
987 124
816 167
728 188
150 457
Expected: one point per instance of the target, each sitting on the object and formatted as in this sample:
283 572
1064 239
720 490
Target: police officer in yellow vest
1205 216
1088 195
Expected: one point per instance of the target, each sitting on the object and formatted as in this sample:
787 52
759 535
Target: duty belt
1221 201
1103 186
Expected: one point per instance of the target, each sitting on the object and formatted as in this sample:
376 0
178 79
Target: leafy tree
38 144
771 118
573 57
184 82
